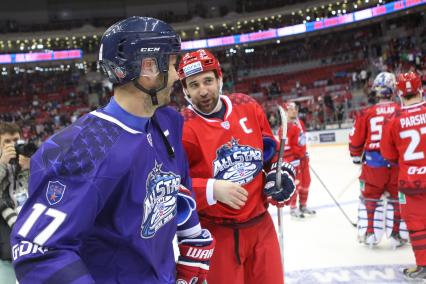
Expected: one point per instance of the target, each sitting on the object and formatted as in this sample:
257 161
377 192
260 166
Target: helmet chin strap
152 92
215 109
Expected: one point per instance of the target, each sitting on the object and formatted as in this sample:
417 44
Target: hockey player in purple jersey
109 193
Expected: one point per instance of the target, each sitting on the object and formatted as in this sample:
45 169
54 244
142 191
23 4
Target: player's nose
203 91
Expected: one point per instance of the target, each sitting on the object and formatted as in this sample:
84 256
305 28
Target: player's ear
149 68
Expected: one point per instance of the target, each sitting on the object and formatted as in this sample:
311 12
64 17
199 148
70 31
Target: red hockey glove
194 260
278 195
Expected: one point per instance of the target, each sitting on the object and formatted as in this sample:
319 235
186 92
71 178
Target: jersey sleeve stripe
24 267
68 274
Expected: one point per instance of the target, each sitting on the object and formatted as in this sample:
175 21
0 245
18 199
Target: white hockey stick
283 120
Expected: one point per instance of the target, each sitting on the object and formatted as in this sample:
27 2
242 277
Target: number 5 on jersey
376 125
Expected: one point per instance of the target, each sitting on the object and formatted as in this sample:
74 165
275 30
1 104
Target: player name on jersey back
385 110
413 120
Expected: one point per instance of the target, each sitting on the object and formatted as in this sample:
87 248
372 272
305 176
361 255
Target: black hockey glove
278 195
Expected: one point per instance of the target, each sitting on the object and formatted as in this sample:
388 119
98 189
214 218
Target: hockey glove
194 260
357 160
295 163
278 195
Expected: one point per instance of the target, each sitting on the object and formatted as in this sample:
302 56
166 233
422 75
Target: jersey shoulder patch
77 149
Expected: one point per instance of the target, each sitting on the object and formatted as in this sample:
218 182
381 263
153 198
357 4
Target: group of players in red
387 140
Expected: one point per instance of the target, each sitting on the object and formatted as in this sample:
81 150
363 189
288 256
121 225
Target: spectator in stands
340 112
14 171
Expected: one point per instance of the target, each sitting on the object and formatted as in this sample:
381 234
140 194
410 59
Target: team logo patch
237 163
192 68
225 124
119 72
55 191
160 201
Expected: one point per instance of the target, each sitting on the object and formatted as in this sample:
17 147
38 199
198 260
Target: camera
25 149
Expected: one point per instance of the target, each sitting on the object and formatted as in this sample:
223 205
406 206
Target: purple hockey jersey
102 204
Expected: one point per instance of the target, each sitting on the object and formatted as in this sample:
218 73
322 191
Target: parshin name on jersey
25 247
237 157
413 120
385 110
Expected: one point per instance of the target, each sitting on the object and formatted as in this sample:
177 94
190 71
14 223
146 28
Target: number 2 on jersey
414 135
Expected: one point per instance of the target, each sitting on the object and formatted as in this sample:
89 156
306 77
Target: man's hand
8 153
24 162
230 193
278 195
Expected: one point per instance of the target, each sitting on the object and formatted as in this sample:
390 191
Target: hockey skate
396 240
370 240
296 213
306 211
415 274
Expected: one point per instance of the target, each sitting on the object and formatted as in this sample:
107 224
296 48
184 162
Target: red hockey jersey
229 149
404 140
295 147
368 126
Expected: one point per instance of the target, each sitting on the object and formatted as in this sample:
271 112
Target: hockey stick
283 120
332 197
343 190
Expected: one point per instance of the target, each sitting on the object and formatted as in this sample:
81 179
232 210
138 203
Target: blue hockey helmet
127 43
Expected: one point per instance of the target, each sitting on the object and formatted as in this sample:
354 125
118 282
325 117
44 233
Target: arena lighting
303 28
41 56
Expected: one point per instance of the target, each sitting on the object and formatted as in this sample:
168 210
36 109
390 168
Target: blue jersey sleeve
68 186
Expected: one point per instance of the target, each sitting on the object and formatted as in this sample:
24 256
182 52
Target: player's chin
205 107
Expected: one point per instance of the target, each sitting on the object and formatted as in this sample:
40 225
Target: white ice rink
324 248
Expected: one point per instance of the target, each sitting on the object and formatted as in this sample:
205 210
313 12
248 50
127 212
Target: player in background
295 153
229 143
107 194
404 142
378 176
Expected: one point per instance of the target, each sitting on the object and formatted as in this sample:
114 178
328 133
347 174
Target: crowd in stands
327 93
197 10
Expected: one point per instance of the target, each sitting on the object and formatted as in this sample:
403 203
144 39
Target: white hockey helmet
384 84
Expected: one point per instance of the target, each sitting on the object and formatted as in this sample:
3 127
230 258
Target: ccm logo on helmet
150 49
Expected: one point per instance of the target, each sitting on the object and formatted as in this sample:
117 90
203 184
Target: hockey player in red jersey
404 142
295 153
229 143
378 175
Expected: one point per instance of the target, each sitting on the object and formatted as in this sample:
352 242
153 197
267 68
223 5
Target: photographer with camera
14 172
